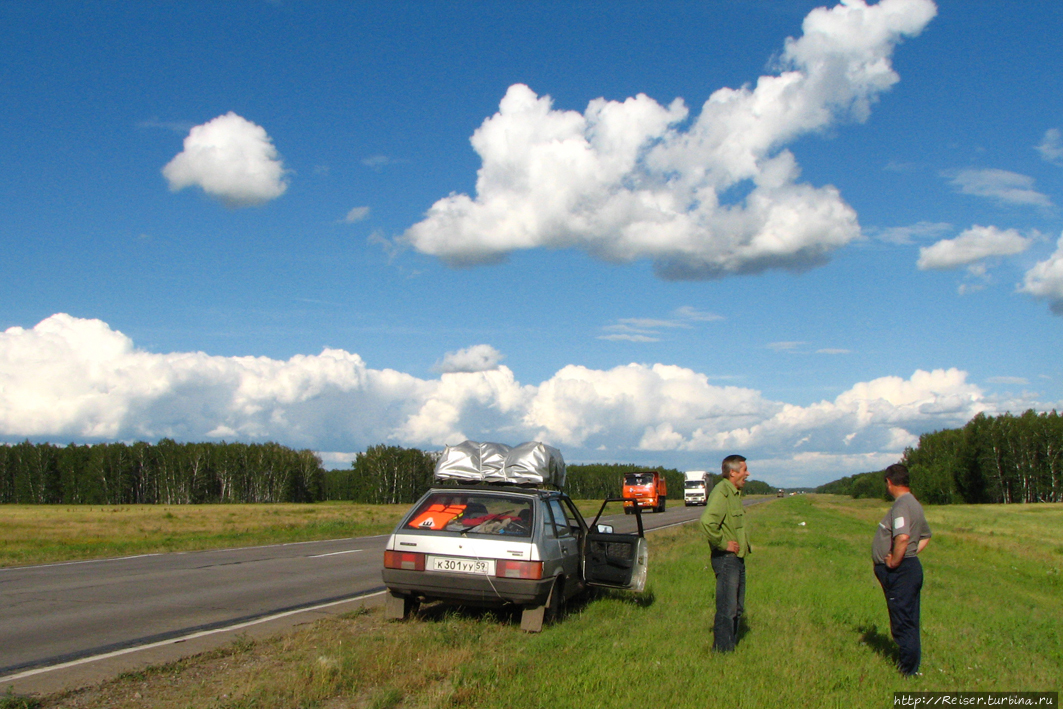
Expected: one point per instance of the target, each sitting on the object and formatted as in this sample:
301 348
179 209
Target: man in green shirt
724 525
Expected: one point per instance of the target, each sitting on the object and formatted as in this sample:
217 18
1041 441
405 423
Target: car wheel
557 605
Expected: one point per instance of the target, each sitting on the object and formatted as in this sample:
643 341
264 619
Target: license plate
462 566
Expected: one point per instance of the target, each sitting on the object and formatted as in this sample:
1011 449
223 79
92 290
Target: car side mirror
605 529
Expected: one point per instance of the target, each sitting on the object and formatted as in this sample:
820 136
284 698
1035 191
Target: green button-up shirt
724 518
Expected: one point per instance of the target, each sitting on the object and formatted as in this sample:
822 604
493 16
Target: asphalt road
57 613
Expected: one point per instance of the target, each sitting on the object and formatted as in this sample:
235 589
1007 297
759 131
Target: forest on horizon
992 459
172 473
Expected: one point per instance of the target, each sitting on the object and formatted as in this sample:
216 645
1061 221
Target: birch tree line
992 459
383 475
1004 458
166 472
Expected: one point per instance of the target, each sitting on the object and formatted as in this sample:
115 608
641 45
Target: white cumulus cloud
972 246
76 379
690 313
1051 146
478 358
231 159
1045 280
882 415
649 329
1008 380
356 215
785 346
629 180
1001 186
908 234
72 377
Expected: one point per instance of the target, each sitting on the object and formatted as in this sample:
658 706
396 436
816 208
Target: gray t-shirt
905 517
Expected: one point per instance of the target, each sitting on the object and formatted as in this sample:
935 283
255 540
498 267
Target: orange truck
647 489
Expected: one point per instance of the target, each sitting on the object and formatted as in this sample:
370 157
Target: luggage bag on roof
531 463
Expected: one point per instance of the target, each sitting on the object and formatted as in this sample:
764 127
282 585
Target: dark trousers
730 599
902 586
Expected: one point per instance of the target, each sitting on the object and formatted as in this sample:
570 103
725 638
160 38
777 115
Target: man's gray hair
732 464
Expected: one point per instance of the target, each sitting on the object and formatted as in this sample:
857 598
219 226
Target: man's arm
900 546
712 519
922 545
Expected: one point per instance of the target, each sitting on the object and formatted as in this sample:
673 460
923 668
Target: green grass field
817 632
38 534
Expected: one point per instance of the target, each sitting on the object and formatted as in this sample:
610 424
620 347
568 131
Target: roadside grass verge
817 633
38 534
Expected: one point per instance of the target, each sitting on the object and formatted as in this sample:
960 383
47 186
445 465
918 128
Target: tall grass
817 633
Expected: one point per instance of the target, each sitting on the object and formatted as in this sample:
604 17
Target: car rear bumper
468 588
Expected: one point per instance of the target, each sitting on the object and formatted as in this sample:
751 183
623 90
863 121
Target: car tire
557 604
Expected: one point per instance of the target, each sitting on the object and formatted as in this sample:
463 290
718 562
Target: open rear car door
615 560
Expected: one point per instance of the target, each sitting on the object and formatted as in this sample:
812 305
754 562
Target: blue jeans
730 599
902 586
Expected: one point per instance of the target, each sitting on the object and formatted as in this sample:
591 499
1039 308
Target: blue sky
336 225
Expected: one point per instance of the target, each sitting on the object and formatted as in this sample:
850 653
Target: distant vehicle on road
646 489
781 493
694 487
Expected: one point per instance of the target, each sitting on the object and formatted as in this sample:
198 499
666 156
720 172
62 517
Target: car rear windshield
473 513
638 479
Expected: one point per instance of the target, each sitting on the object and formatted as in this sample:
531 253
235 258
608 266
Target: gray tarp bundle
530 463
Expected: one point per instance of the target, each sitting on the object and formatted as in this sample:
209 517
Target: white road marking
83 561
172 641
198 551
334 553
674 524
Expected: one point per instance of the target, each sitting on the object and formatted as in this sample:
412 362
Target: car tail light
408 560
518 569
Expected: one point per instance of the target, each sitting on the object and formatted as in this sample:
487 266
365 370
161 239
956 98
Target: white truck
694 492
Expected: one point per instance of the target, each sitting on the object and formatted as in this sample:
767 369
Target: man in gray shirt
902 534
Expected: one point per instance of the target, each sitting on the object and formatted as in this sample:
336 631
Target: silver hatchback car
494 545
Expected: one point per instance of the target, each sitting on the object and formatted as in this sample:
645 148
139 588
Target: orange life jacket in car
436 516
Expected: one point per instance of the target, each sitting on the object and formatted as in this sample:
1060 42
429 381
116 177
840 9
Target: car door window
549 528
572 516
560 521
